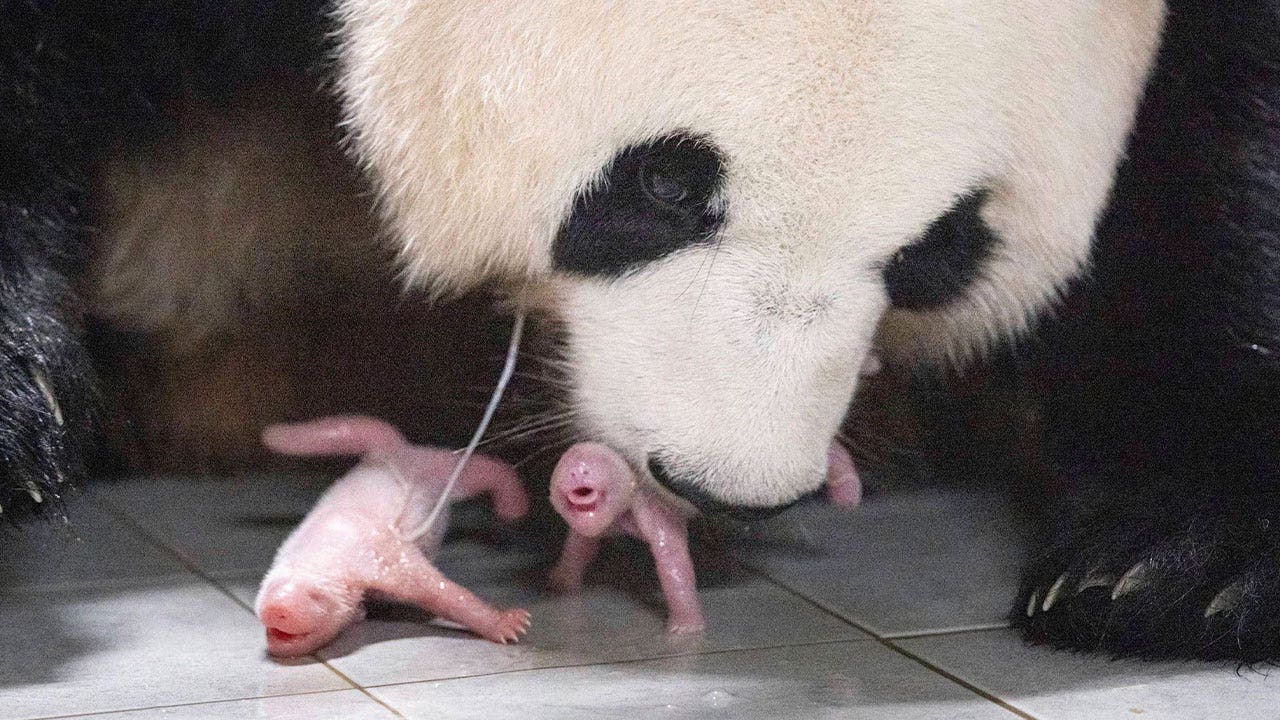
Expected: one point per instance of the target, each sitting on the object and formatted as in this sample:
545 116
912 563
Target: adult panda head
728 202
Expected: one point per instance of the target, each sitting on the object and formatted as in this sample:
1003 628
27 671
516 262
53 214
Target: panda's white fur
847 127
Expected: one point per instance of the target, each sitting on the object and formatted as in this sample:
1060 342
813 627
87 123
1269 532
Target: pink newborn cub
353 542
597 493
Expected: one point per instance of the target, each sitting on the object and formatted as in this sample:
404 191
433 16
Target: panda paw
1163 582
46 418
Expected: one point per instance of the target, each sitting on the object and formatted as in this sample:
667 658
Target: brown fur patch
239 280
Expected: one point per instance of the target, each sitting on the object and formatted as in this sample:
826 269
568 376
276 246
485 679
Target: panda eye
662 186
652 200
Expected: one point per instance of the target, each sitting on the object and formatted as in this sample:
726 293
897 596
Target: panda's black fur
1161 375
78 77
939 267
1162 378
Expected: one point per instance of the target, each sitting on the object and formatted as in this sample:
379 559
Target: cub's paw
686 626
511 626
1173 581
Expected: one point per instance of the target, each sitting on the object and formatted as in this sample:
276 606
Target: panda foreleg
46 387
1158 576
1162 376
47 392
1165 420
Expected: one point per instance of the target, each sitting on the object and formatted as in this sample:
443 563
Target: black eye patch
940 266
654 199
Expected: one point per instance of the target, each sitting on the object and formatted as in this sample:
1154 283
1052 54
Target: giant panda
729 205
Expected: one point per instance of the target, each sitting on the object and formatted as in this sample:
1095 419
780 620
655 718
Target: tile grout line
362 689
813 602
891 645
83 586
925 634
959 681
217 584
627 661
159 543
121 711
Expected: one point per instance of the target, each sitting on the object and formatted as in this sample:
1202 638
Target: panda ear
986 270
1049 180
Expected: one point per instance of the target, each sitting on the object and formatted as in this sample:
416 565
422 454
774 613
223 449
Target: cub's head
728 202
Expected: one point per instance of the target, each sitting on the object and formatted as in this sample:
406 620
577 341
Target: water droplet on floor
718 698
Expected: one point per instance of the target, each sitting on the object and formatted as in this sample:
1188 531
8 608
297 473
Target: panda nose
705 503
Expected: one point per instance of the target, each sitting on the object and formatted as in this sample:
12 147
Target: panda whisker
706 279
552 380
562 443
881 450
531 428
701 264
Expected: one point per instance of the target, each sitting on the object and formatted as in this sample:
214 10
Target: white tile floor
141 609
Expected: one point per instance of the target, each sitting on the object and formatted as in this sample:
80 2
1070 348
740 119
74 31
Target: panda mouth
706 504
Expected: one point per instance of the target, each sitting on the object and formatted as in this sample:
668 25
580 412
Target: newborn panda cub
596 492
359 540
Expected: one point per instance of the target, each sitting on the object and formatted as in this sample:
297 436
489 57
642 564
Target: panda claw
46 390
1225 601
1055 590
1130 581
1033 603
34 492
1096 579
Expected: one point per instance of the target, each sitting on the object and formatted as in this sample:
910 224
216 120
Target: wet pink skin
353 542
597 493
844 487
